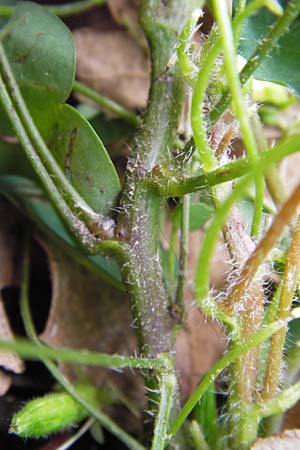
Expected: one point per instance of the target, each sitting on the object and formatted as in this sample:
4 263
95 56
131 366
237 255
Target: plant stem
76 436
104 420
113 106
197 436
186 64
208 245
63 10
138 224
266 45
279 404
182 263
167 387
275 185
230 357
177 186
68 355
207 62
282 220
230 62
290 281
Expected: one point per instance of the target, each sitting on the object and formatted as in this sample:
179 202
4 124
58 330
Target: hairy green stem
230 62
138 225
274 183
280 403
105 102
68 355
207 62
184 58
229 358
177 186
167 387
63 10
289 285
210 307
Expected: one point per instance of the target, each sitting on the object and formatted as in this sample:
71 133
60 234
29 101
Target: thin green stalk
289 285
101 100
187 66
167 387
266 45
30 351
253 341
241 5
75 225
206 253
207 156
184 240
76 436
78 228
63 10
230 62
279 404
75 202
104 420
177 187
274 183
198 437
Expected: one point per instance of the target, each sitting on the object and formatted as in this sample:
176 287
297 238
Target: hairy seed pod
54 412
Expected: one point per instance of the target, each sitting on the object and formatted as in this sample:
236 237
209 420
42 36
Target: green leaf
283 64
41 51
81 154
32 201
200 213
207 416
13 160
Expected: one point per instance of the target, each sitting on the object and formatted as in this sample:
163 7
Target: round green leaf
82 156
41 51
283 64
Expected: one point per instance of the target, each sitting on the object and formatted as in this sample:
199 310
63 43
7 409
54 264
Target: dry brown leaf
9 361
8 249
85 313
288 440
292 417
5 382
113 64
125 13
124 10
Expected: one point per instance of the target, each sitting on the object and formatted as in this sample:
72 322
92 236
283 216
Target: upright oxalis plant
101 218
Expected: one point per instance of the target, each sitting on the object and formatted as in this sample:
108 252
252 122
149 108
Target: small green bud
54 412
